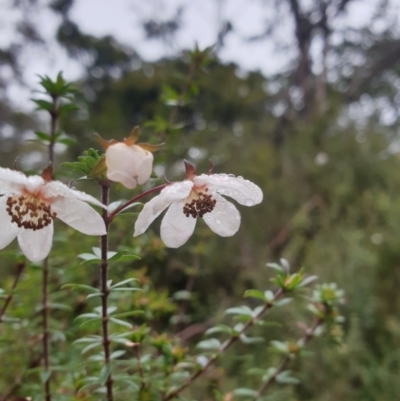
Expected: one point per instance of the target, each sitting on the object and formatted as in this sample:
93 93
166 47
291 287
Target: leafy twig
223 348
20 268
309 333
133 200
105 291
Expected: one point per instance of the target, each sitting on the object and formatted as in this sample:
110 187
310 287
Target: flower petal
55 189
145 168
243 191
36 245
176 228
8 229
124 179
172 193
224 220
128 164
11 181
79 215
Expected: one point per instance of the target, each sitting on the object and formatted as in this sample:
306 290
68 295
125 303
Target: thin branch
174 111
286 359
45 279
111 216
105 290
227 344
20 268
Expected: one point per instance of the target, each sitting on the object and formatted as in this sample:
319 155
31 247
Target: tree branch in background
227 344
309 333
20 268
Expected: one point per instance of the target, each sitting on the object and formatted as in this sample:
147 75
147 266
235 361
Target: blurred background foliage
323 146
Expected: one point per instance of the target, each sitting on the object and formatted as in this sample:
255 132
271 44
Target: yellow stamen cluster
29 211
199 205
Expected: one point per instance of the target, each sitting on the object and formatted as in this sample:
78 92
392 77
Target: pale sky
122 19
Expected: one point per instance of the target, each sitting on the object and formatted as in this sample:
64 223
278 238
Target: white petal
36 245
11 181
124 179
145 168
172 193
122 164
224 220
8 229
243 191
55 189
79 215
176 228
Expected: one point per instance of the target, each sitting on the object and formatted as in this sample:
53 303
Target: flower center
199 203
29 211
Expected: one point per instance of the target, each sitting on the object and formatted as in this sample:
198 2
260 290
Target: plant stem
20 268
133 200
104 289
285 360
45 278
222 348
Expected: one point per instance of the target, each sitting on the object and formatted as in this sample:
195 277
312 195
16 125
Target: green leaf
285 378
88 316
104 373
251 340
90 346
182 295
81 286
280 346
240 310
254 294
121 322
92 339
211 344
276 267
89 258
45 375
283 301
245 392
131 313
221 328
43 136
54 305
43 104
307 280
129 280
117 354
269 296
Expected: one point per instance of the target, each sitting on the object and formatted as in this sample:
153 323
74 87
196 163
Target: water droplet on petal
249 202
218 221
240 177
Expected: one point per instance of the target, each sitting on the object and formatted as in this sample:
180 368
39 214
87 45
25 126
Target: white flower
128 164
198 196
30 204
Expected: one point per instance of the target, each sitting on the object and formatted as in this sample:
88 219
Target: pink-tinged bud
128 164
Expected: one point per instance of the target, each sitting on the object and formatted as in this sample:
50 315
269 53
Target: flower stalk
227 344
309 333
20 268
45 278
105 187
133 200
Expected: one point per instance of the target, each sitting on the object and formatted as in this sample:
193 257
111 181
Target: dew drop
249 202
240 177
218 221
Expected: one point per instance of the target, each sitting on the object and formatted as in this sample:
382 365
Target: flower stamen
198 204
30 211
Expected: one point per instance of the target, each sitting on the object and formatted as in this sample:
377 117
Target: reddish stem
133 200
